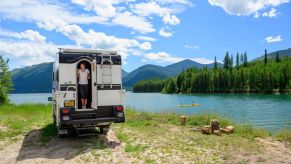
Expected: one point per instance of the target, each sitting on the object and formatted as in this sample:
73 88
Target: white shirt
83 76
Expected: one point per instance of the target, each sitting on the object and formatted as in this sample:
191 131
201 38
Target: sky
159 32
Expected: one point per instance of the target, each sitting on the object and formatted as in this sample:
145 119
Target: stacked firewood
214 128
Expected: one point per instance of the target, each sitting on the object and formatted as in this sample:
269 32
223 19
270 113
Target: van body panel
106 93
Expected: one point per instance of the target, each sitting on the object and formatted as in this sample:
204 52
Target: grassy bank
17 119
151 137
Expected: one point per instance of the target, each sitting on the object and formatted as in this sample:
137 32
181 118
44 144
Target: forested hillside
265 76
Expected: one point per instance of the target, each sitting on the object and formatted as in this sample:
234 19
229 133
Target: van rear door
94 104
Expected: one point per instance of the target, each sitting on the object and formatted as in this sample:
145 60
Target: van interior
89 100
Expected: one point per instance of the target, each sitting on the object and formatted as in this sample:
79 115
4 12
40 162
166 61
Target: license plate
70 103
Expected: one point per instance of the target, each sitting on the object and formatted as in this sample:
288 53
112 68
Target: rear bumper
92 122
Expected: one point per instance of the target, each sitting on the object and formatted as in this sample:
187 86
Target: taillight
65 111
119 108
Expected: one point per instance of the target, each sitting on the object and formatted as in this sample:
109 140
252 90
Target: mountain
33 79
124 73
148 71
158 72
282 53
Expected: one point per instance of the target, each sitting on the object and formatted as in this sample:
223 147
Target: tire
60 135
104 129
55 121
101 129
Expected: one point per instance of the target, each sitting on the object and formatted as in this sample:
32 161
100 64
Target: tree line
5 81
266 76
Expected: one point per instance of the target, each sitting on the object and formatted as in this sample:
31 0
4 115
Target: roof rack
69 50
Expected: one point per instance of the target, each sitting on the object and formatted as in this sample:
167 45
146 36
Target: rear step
86 131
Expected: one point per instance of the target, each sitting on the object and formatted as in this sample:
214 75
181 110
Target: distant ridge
150 71
272 55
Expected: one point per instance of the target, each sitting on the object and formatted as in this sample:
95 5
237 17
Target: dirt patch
275 151
30 149
3 128
168 143
272 152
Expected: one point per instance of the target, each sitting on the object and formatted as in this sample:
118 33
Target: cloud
146 38
257 15
100 40
127 13
28 48
171 19
195 47
145 46
102 8
184 2
164 57
31 35
45 14
151 8
164 33
272 13
245 7
273 39
137 23
29 53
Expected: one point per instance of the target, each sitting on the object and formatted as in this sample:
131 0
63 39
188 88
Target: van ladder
108 67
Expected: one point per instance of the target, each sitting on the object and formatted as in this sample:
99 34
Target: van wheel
60 133
104 129
55 121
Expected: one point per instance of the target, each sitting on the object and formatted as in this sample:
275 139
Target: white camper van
104 97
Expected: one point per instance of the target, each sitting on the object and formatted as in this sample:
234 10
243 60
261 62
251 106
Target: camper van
104 93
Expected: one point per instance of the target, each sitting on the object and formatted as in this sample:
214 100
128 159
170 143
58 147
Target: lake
266 111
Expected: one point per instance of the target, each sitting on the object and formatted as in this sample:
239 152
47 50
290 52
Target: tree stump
206 130
182 120
214 125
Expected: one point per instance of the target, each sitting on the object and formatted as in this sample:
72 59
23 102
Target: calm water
267 111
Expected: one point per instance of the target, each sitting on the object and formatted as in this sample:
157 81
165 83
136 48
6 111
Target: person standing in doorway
83 76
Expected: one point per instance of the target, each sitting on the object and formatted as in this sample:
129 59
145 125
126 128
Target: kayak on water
188 105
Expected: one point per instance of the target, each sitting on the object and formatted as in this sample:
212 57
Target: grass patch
284 135
19 119
147 119
130 148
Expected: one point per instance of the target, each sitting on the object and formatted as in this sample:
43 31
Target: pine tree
245 59
226 61
5 81
277 58
215 63
231 61
237 60
266 57
241 59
